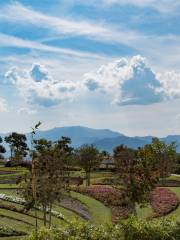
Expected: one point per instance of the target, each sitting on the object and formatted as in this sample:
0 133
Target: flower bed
107 195
21 201
163 201
76 206
110 197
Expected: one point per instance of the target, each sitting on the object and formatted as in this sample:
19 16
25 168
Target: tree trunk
44 215
87 179
50 214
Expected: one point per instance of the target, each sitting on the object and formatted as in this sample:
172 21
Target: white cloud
59 27
122 82
11 41
37 86
127 82
116 33
25 15
171 83
3 105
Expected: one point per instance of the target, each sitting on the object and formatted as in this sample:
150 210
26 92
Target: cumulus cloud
127 82
37 86
171 84
123 82
3 105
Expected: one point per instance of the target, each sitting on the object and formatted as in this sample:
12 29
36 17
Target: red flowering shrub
163 201
111 197
105 194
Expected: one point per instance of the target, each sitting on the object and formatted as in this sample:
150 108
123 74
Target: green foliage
136 173
88 158
18 145
130 229
78 231
164 229
164 156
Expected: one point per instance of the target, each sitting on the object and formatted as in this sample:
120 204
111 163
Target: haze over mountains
103 139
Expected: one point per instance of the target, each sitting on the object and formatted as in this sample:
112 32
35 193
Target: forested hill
104 139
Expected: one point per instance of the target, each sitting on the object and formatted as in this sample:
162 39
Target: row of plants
130 229
75 206
21 201
8 232
163 201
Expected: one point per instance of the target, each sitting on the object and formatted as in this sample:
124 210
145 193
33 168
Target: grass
100 213
176 213
8 186
174 177
144 212
68 213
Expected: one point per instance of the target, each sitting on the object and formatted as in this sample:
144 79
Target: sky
103 64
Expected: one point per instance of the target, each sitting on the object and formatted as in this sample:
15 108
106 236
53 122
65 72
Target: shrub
78 231
165 229
105 194
131 229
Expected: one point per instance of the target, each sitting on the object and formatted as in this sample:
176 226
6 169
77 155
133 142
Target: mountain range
103 139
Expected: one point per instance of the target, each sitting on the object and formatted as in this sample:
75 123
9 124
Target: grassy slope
100 213
175 213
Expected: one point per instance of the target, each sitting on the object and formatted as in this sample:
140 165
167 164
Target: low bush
130 229
138 229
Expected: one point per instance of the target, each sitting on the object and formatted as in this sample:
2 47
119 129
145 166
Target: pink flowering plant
163 201
110 196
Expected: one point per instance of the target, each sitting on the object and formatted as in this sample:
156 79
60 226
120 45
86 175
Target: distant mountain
109 144
78 134
103 139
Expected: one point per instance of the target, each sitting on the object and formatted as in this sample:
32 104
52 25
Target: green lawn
100 213
175 213
174 177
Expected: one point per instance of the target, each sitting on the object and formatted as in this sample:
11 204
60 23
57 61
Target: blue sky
103 64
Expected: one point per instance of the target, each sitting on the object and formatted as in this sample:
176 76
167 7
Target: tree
164 156
64 149
2 148
18 146
88 157
136 173
50 173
